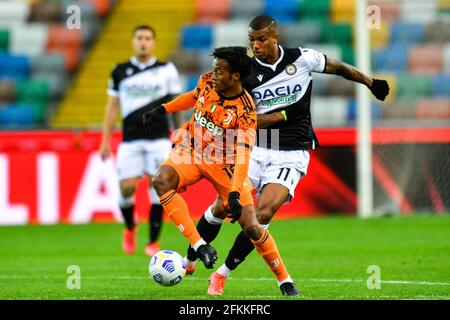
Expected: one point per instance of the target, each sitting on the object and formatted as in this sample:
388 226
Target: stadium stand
39 54
31 61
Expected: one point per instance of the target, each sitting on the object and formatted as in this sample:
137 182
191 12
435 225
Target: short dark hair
237 59
262 22
144 27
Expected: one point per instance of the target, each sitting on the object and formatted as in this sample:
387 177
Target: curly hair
237 59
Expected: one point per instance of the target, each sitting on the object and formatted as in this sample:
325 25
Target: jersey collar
142 65
272 66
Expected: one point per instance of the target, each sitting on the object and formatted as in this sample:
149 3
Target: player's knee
218 210
127 191
165 180
264 213
253 231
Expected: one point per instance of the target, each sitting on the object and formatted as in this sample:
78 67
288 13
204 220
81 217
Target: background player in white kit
136 86
281 86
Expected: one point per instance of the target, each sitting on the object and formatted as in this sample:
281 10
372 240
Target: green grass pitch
328 257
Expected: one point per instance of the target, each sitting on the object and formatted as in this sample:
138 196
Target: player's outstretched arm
111 113
379 88
180 103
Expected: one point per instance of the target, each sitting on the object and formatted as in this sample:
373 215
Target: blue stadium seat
352 105
407 32
192 81
440 85
15 67
392 58
16 115
283 11
197 37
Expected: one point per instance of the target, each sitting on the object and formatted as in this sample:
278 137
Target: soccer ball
167 267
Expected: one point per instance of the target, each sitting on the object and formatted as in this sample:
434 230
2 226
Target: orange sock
268 250
178 212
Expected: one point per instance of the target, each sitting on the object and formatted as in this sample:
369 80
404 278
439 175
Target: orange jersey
221 130
215 121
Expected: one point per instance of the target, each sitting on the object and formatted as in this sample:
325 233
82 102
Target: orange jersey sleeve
246 126
182 102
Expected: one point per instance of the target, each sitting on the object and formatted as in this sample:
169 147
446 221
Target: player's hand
291 112
380 89
235 206
152 116
105 151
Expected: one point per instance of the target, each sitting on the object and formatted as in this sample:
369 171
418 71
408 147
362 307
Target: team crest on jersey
291 69
129 71
228 119
213 107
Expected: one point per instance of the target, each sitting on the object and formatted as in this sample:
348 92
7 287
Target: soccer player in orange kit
216 146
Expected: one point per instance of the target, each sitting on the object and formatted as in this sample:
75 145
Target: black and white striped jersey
142 87
287 82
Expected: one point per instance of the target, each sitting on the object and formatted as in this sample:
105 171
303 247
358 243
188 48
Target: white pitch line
427 283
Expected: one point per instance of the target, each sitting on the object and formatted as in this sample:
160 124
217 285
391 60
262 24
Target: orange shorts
219 175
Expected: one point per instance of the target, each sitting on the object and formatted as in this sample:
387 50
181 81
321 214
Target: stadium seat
16 116
343 11
407 33
4 40
392 58
390 11
283 11
376 110
329 111
47 63
13 12
186 62
446 54
418 11
410 86
192 81
337 33
316 10
337 86
212 11
57 82
29 39
102 7
379 37
246 10
232 33
440 86
197 37
45 12
35 94
433 109
399 109
437 32
14 66
348 54
332 50
426 59
296 34
67 42
7 91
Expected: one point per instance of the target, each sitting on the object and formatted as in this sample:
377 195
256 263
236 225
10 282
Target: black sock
207 231
156 214
128 216
242 247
